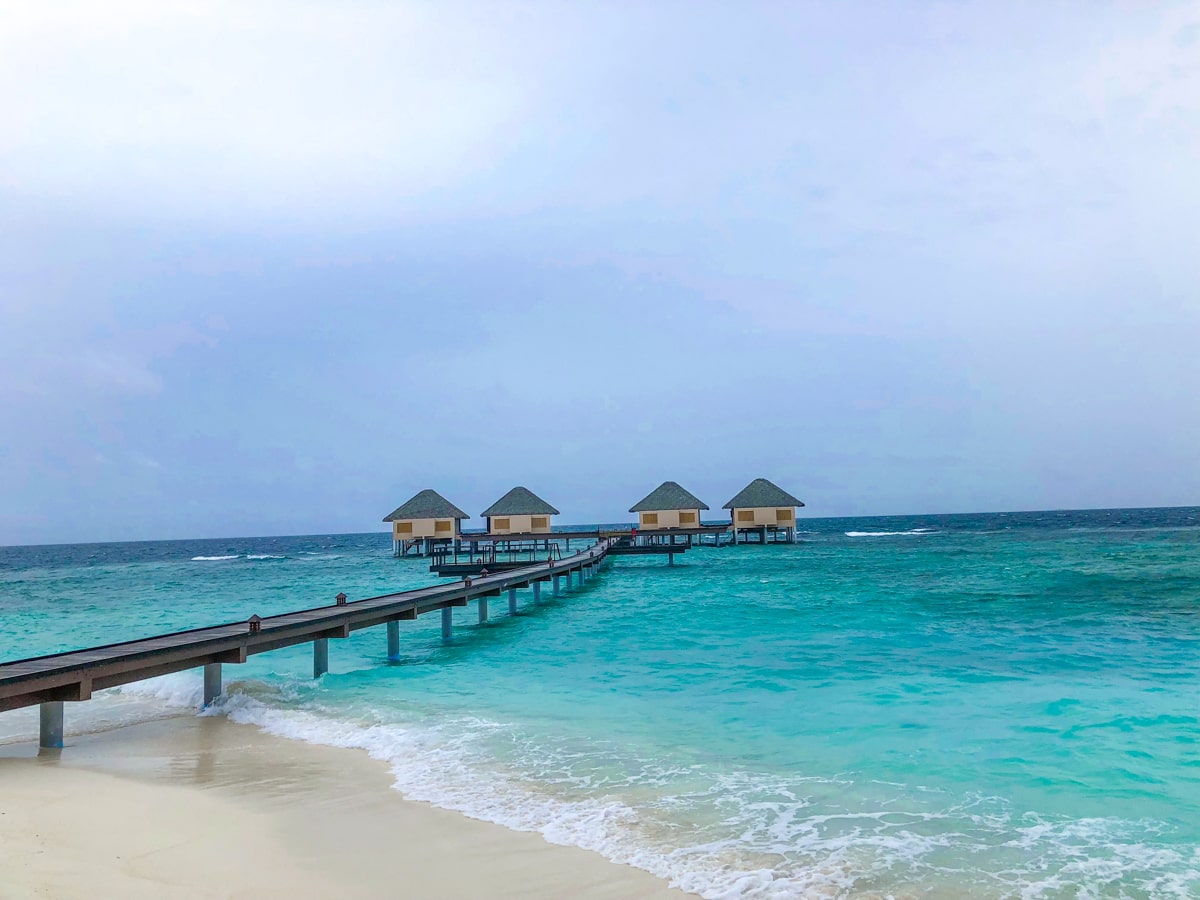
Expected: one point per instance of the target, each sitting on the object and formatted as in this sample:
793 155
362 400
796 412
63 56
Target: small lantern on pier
341 599
255 623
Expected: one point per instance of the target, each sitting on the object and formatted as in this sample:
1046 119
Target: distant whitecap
889 533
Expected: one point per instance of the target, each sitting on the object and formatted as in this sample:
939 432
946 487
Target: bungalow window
687 518
540 522
783 515
745 515
404 528
649 518
443 527
500 524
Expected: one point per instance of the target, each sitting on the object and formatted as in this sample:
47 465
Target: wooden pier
49 681
475 552
476 542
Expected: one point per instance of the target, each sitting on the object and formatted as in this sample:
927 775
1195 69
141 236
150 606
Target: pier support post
320 657
447 623
512 600
212 683
482 610
556 585
50 736
537 592
393 639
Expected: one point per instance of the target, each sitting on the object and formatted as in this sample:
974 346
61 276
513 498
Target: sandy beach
201 807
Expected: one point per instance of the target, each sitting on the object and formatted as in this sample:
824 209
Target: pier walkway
48 681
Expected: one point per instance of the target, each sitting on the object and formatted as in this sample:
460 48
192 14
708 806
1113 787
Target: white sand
200 807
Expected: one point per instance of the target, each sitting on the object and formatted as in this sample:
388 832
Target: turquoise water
991 705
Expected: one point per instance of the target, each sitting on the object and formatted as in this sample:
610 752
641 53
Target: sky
272 268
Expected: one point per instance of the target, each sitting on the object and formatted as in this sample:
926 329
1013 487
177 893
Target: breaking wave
737 835
889 533
727 835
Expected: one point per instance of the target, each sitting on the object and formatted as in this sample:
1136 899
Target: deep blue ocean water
999 705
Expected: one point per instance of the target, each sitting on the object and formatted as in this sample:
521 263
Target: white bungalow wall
407 529
520 524
669 518
756 517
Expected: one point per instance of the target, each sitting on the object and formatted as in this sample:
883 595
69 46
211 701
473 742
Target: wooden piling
50 733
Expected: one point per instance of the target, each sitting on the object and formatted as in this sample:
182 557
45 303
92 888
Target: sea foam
772 843
889 533
440 765
768 849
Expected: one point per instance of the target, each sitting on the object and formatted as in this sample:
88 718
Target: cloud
43 360
914 250
185 107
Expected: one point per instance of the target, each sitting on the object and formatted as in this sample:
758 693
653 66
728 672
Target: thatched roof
427 505
762 493
520 502
668 495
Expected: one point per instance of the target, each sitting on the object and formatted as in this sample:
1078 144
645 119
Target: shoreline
198 806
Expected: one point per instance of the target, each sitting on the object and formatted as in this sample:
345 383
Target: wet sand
201 807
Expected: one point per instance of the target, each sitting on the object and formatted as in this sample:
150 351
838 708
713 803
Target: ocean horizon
803 517
988 704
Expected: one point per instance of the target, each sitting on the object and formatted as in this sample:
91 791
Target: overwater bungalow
426 518
520 511
668 506
765 508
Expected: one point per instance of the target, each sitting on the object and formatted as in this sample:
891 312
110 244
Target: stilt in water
320 657
212 683
50 734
